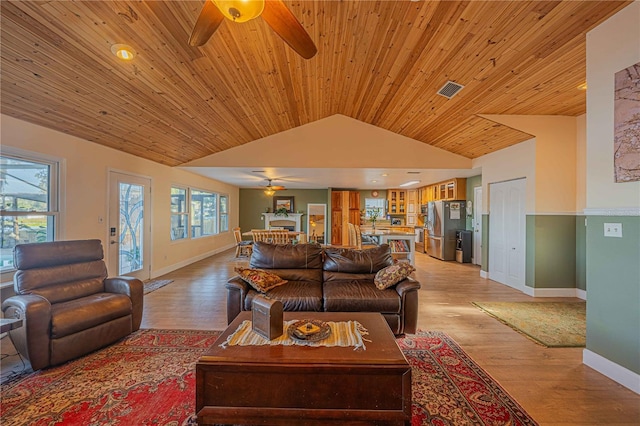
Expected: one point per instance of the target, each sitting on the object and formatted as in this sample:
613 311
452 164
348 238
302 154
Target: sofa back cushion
341 261
60 270
292 262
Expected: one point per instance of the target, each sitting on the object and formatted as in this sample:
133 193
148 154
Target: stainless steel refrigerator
442 220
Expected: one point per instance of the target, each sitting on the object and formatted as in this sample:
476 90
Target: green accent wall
472 182
581 253
254 202
550 251
613 283
485 243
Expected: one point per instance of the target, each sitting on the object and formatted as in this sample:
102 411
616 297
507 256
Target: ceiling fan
271 189
274 12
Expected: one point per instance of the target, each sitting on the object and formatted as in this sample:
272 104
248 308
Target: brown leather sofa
329 279
66 302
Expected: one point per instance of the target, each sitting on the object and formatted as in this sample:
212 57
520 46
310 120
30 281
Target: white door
507 217
477 225
129 225
516 234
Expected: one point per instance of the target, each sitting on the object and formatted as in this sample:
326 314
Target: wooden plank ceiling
380 62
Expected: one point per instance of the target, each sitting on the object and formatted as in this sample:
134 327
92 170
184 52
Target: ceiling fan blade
208 22
277 188
285 24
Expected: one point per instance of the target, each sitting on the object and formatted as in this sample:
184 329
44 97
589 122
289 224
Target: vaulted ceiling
379 62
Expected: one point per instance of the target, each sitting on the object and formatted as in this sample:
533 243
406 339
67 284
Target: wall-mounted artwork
626 159
283 202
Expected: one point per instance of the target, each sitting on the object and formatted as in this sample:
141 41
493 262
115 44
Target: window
204 213
28 203
224 213
179 214
373 205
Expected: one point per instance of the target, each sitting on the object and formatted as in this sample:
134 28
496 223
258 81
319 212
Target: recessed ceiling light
411 182
583 86
374 181
124 52
385 174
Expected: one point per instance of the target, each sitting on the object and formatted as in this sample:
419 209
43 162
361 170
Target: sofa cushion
262 281
286 256
392 275
87 312
294 295
354 261
359 296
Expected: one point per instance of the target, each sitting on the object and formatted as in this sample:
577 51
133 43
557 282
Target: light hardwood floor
552 384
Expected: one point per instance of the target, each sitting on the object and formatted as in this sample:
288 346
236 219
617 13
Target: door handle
113 242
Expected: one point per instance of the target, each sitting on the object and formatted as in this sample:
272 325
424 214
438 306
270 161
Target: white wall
514 162
87 165
611 47
555 159
581 163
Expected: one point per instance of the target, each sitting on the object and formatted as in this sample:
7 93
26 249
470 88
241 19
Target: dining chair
243 248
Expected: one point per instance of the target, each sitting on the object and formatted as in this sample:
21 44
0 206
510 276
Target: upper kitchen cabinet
452 189
397 199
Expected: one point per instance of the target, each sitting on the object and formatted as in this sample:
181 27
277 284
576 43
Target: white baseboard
555 292
615 372
171 268
483 274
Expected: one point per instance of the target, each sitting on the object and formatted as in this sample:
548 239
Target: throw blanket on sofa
343 333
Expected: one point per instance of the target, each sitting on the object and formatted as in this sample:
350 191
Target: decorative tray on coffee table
309 330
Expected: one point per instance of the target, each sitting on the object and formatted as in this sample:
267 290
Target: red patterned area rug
149 379
449 388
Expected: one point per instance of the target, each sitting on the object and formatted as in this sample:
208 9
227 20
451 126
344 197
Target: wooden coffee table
306 385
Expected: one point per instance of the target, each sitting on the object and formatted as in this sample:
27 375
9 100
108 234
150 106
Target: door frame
477 225
115 176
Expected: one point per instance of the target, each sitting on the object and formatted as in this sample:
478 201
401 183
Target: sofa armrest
408 291
237 290
408 284
133 288
32 340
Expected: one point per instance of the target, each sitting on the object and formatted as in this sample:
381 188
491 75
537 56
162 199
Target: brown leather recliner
66 302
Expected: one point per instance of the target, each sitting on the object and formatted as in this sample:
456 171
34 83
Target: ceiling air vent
450 89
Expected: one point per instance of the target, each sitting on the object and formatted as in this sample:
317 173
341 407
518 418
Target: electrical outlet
613 230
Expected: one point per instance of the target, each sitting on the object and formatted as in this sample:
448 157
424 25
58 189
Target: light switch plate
613 230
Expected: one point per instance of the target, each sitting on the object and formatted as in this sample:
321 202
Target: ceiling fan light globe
269 192
240 10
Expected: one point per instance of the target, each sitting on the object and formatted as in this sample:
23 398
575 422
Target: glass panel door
128 226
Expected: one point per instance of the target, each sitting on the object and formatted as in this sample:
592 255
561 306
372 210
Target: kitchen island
402 243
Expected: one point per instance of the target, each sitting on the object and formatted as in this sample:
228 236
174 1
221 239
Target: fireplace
292 222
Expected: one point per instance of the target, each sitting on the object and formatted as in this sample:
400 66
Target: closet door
507 223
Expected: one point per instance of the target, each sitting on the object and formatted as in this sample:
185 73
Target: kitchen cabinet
345 208
452 189
413 208
397 199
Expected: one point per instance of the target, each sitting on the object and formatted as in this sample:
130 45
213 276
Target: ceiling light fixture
122 51
269 192
240 10
411 182
385 174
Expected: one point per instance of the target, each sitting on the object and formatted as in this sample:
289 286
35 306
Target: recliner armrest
32 339
133 288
